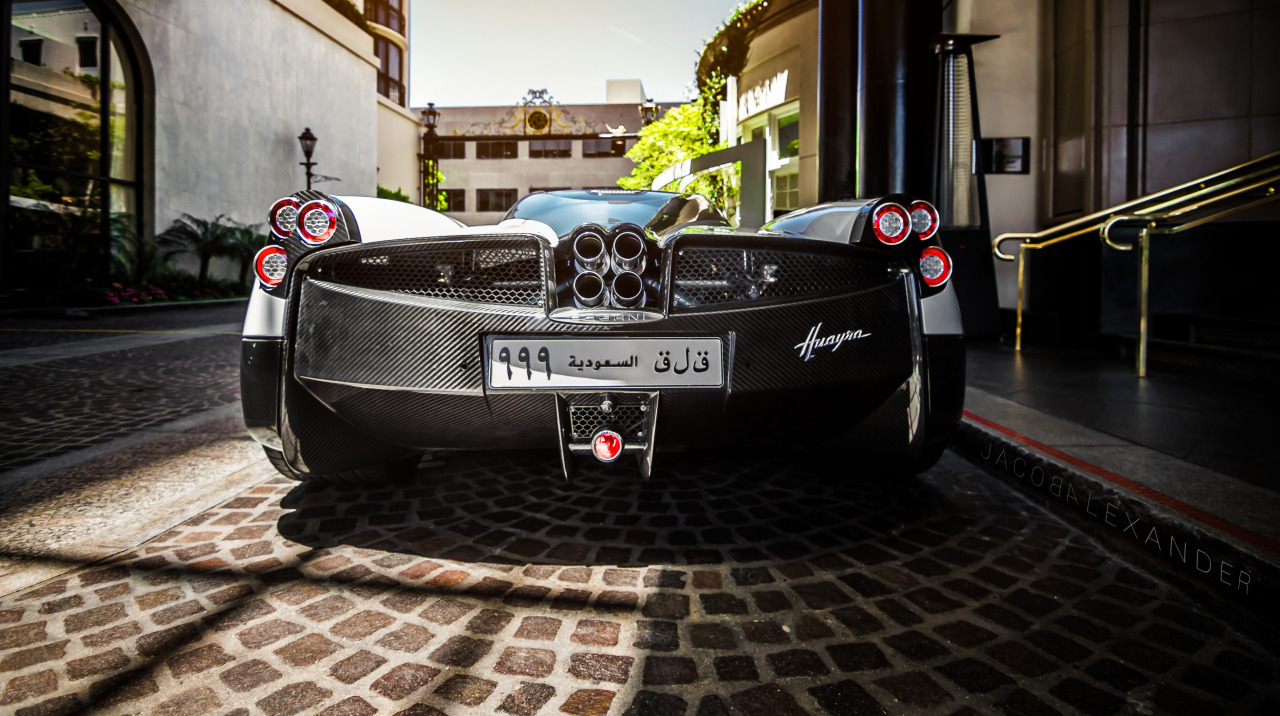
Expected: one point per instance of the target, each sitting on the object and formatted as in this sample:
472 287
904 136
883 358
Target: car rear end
707 338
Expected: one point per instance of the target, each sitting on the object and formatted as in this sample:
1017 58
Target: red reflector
283 217
924 219
891 224
317 221
607 445
935 266
270 265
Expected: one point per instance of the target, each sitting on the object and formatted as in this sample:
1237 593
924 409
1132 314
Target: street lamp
428 162
648 112
308 142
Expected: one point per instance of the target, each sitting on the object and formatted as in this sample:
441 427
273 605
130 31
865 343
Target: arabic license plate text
557 362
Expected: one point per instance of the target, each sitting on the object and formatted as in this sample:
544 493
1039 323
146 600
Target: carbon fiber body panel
422 384
384 349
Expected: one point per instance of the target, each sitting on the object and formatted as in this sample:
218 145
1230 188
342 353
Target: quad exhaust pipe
589 252
594 258
588 289
628 252
627 290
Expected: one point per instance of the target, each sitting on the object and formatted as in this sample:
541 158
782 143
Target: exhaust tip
588 289
628 251
589 251
627 290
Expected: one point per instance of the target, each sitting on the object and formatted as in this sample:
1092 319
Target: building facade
775 99
151 109
398 127
492 156
1114 106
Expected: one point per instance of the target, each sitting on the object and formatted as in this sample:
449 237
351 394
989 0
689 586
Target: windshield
564 211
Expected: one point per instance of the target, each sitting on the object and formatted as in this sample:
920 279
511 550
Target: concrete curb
117 310
1242 577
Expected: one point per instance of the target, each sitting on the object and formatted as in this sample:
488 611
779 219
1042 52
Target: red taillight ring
606 445
927 208
270 264
317 220
283 217
935 266
882 223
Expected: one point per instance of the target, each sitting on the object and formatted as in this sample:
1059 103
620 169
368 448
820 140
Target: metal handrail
1152 226
1175 204
1092 221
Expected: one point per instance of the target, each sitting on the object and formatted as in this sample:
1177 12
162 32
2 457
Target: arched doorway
74 157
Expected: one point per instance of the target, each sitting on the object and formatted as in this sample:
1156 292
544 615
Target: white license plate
557 362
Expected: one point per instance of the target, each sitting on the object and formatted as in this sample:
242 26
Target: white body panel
941 313
265 317
387 220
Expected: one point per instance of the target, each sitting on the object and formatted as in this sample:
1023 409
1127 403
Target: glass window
451 150
550 149
390 70
495 199
604 147
88 47
789 136
386 13
455 199
496 149
786 192
31 51
68 199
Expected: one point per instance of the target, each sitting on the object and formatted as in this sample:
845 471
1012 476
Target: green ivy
685 132
396 194
725 54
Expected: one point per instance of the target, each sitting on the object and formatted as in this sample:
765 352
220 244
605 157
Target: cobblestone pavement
55 407
760 587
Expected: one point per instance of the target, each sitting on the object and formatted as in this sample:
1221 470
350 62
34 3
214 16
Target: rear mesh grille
706 276
498 272
585 420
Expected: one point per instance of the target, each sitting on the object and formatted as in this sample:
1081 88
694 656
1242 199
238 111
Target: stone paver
763 586
56 407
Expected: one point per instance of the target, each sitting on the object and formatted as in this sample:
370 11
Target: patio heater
959 186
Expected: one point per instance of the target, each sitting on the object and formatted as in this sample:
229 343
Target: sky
467 53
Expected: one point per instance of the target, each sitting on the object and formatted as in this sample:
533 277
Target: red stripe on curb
1122 481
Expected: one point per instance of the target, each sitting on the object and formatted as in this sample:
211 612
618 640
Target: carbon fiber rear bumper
385 370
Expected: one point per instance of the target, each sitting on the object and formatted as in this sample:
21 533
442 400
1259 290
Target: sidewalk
1173 468
73 388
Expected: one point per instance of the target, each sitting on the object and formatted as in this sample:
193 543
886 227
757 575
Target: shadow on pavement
515 508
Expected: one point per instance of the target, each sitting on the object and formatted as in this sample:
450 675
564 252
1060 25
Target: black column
897 95
6 17
837 99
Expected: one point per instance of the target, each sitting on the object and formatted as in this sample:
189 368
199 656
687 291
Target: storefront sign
769 93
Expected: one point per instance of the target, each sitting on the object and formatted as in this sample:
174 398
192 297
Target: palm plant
133 258
206 239
243 244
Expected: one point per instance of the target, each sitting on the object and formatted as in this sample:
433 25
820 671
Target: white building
492 156
201 113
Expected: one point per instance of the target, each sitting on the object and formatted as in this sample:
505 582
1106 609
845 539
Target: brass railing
1166 212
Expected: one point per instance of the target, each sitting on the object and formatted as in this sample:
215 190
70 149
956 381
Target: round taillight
935 266
283 217
924 219
270 264
317 221
891 224
606 445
